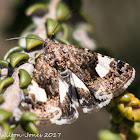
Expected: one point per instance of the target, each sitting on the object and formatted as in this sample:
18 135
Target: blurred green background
116 27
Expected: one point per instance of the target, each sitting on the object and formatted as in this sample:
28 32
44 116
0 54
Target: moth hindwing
66 76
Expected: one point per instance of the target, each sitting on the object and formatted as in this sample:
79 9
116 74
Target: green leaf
62 11
17 57
62 40
51 25
108 135
5 81
6 130
29 116
1 98
33 41
29 127
4 115
25 78
4 63
35 7
14 49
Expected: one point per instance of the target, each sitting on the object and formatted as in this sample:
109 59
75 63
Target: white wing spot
40 94
78 83
63 89
103 67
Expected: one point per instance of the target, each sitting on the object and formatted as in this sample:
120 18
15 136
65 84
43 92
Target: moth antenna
60 23
17 38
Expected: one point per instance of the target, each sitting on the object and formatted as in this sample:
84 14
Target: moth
66 77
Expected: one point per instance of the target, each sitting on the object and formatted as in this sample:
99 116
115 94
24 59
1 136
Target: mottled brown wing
87 101
44 92
48 78
103 76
